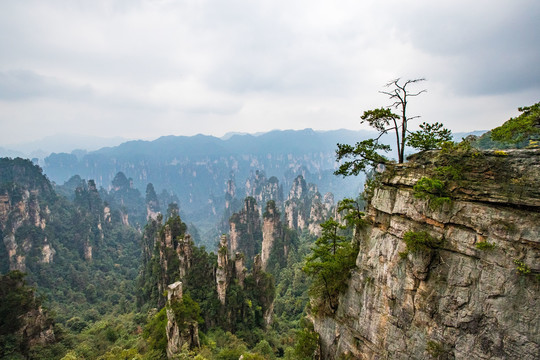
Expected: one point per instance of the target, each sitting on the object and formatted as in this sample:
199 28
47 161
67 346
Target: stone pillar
221 272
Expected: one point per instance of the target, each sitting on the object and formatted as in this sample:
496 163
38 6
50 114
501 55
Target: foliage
435 349
431 136
186 311
307 341
352 216
16 300
329 265
484 245
432 189
517 132
522 268
364 154
418 242
154 332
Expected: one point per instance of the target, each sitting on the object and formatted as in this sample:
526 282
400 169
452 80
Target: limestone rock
271 231
221 271
178 334
458 301
245 229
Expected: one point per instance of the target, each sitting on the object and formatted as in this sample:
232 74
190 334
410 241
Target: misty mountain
62 143
197 168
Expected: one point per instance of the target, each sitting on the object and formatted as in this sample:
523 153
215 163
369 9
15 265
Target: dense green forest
103 289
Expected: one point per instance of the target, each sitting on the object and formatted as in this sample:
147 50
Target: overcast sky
142 69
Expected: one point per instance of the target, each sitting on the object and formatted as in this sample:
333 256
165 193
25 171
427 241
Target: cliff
448 263
180 329
305 208
24 194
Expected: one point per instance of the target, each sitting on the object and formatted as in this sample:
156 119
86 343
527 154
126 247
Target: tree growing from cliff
367 153
429 137
332 258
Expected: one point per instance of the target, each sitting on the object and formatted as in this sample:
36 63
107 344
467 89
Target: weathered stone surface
178 334
222 276
36 328
305 208
457 301
271 231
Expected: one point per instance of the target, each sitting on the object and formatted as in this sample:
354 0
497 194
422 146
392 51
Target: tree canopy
366 153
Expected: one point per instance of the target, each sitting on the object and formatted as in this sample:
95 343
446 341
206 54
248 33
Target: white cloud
148 68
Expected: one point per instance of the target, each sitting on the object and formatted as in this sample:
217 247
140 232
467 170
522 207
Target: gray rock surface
456 301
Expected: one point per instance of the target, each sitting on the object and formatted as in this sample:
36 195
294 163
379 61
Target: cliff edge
449 263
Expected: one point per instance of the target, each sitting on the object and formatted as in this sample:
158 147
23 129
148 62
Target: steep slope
448 265
78 253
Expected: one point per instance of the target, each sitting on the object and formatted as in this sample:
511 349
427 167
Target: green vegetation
435 349
522 268
484 245
419 242
519 132
429 137
332 259
432 189
307 342
186 311
366 154
351 210
16 301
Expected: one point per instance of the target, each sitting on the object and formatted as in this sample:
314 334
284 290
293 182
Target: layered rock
239 268
459 299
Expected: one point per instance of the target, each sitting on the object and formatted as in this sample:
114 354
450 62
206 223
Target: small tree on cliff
366 153
333 256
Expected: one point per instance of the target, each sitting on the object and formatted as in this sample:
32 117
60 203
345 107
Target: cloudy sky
146 68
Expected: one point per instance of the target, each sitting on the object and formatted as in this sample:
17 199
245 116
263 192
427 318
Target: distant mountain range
197 168
59 143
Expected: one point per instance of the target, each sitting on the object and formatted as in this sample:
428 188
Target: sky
140 69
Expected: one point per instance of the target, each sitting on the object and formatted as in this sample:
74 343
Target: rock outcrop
245 230
473 293
305 208
263 189
23 217
178 334
222 276
271 231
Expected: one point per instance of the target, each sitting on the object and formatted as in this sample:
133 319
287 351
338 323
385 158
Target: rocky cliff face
263 189
271 231
305 208
245 229
222 276
473 291
178 334
23 215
